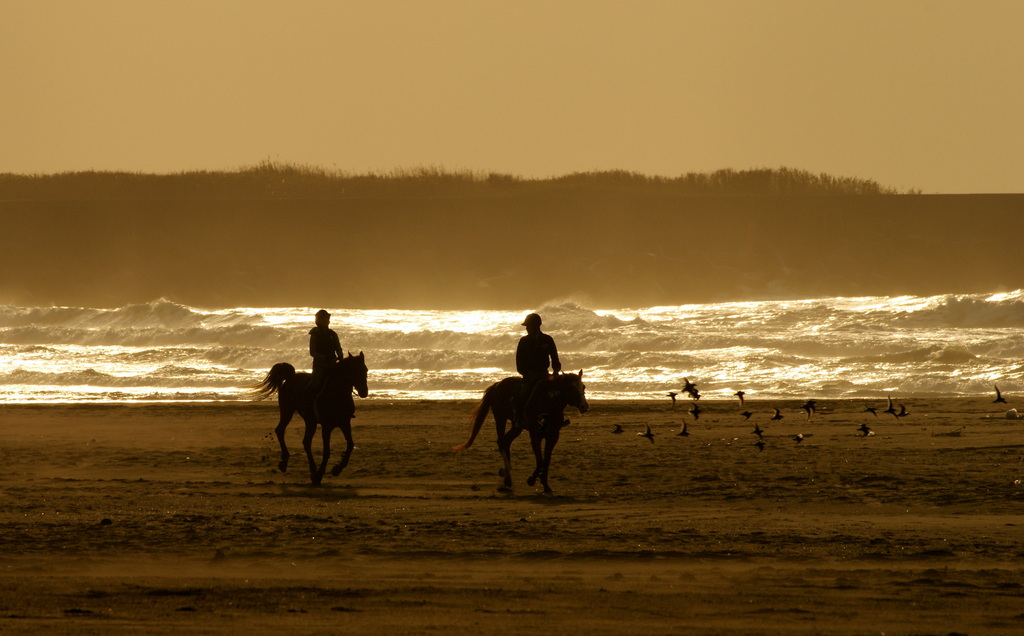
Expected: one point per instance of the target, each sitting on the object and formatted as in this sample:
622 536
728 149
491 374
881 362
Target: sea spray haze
955 345
279 236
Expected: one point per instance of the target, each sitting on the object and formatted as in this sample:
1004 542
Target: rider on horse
325 347
533 354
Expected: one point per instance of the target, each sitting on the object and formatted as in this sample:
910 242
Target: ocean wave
824 347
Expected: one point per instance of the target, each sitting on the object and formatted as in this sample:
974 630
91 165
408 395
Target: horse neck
567 392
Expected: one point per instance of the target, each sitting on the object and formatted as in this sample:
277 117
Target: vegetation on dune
275 180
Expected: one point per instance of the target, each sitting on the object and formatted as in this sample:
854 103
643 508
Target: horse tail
477 417
276 377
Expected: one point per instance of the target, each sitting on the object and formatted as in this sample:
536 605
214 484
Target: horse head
576 394
353 369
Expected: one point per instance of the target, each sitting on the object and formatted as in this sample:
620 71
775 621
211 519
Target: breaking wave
949 344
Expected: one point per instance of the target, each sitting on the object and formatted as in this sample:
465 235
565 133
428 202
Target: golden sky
922 94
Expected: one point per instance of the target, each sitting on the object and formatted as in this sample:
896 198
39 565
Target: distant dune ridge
284 235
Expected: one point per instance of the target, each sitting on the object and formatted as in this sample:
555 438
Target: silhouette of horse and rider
323 397
534 402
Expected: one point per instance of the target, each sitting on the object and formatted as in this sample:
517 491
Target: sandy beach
171 518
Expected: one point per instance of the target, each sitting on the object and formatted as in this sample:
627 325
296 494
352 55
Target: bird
648 434
618 429
758 431
872 410
683 432
999 397
799 437
760 446
777 416
672 394
891 408
903 412
746 415
866 430
809 407
695 411
740 395
691 388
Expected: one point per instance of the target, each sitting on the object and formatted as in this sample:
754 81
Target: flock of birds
809 407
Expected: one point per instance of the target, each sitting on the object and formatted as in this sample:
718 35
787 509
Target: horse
334 408
501 399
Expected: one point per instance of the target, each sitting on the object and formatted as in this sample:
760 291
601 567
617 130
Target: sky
914 94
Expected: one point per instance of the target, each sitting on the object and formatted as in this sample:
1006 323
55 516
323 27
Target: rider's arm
556 364
337 346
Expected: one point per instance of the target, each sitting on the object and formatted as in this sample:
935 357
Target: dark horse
335 408
501 398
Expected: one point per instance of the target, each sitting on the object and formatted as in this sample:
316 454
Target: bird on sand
865 430
809 407
746 415
872 410
618 429
799 437
758 431
740 395
760 445
683 432
999 397
695 411
777 416
891 408
903 412
648 434
672 394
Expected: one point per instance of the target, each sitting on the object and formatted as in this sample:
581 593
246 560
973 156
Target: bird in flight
695 411
672 394
891 408
865 430
648 434
683 432
758 431
740 395
799 437
999 397
746 415
903 412
872 410
777 416
691 388
760 445
618 429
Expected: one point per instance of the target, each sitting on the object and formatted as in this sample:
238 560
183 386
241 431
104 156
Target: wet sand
172 518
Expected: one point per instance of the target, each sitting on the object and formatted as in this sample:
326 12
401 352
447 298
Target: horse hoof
531 480
501 472
504 488
337 470
547 491
283 467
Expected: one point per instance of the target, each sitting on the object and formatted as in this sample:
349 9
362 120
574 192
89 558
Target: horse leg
325 435
286 417
535 439
346 430
549 447
505 439
307 443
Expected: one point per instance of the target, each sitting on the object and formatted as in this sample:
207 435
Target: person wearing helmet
325 348
536 350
